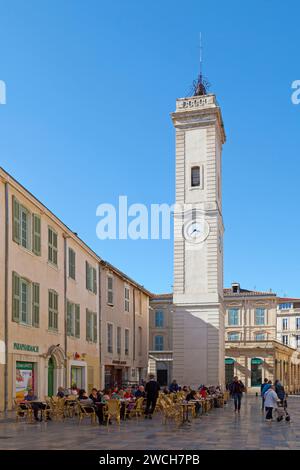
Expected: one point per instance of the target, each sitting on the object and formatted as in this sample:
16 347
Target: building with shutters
57 300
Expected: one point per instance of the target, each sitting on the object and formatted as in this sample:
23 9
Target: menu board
24 378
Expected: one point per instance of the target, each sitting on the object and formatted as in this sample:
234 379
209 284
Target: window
73 320
119 332
284 323
256 372
229 370
158 343
52 310
260 316
126 342
126 299
285 306
233 316
195 176
159 319
233 336
298 323
285 339
26 301
140 340
91 278
72 260
298 341
260 337
52 246
109 338
23 222
91 326
110 293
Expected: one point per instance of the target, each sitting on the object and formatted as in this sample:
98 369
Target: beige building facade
53 305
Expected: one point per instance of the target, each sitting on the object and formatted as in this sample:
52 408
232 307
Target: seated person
35 406
192 396
94 395
60 392
106 395
82 395
174 387
140 392
203 392
128 393
74 390
166 391
115 394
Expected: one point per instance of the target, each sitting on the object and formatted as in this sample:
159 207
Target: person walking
236 390
152 388
279 389
271 402
262 394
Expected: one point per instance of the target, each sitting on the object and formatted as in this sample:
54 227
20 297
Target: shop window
256 372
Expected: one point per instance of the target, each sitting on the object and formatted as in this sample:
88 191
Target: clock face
196 231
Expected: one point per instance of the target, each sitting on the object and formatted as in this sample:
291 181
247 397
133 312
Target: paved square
220 429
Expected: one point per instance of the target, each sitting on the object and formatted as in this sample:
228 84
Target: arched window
195 176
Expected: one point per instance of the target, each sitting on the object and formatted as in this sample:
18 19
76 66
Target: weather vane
201 85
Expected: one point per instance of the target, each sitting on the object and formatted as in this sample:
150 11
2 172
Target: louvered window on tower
195 176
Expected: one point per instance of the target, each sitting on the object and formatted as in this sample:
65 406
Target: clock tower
198 323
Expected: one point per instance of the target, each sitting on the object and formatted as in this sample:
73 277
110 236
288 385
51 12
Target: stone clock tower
198 324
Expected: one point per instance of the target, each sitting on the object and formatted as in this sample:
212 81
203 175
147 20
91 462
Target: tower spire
200 85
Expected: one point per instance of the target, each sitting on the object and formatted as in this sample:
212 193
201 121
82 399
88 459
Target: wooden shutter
87 275
94 280
77 321
36 234
55 310
69 318
71 263
88 338
35 305
16 220
95 327
16 298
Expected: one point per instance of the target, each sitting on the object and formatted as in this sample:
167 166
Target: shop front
116 374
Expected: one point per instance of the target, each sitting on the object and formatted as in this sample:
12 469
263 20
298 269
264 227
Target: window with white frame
91 326
119 334
158 343
233 316
110 290
126 295
285 339
73 319
26 301
126 342
260 316
109 338
260 337
297 323
26 227
284 323
159 319
195 176
52 246
233 336
285 306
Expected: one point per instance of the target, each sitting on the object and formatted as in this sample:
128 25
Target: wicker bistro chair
23 411
71 406
57 406
172 412
113 410
138 409
86 411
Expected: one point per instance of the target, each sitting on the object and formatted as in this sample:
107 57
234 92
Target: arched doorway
256 372
50 377
229 370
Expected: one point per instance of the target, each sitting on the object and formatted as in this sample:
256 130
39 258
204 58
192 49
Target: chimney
235 287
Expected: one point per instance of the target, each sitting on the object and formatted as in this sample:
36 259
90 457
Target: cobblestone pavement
220 429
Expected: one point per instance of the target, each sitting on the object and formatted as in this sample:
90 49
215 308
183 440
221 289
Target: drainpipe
133 349
100 325
65 315
6 299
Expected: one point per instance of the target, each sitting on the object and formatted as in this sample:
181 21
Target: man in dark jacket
236 390
152 388
174 387
279 389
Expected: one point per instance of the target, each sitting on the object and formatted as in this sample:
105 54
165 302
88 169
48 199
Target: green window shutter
71 263
77 321
50 309
87 269
88 325
36 235
69 318
94 281
55 310
94 316
16 298
35 305
16 220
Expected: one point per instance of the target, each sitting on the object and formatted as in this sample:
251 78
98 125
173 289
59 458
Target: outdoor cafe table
186 406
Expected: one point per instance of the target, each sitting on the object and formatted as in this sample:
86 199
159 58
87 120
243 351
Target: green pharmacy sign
26 347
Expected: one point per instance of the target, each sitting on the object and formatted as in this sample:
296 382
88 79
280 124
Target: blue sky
90 86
